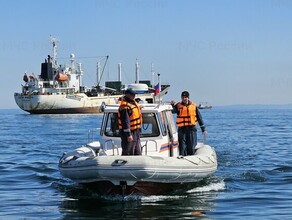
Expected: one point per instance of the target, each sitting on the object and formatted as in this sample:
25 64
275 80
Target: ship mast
137 71
97 73
54 41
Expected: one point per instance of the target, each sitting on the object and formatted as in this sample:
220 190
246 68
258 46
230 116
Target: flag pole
158 74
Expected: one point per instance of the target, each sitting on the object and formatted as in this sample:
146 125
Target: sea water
253 180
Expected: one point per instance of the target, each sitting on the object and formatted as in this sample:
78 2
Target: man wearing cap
130 121
188 115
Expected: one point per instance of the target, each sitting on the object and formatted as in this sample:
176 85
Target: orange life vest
186 114
135 117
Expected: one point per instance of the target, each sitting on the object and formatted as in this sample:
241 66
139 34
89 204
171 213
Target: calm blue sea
253 181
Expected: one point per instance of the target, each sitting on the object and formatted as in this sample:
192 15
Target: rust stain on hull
89 110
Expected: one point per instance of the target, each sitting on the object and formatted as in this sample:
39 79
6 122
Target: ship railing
91 134
145 146
110 144
113 146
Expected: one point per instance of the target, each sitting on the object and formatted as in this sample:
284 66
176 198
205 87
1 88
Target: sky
225 52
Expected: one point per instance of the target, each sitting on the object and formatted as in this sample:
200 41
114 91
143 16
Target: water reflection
80 202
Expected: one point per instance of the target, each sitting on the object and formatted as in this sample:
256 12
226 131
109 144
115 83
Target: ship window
149 100
112 127
149 126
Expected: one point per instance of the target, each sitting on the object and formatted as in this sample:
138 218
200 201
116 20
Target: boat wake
219 186
210 187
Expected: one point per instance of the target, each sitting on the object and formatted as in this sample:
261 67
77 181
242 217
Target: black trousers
187 139
133 147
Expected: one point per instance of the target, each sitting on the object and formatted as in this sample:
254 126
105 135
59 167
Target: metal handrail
91 134
146 145
113 146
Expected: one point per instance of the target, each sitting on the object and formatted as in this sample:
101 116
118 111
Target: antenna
152 75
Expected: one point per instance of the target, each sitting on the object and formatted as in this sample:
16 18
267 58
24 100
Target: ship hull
78 103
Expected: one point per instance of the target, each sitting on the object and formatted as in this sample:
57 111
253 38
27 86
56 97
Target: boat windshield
111 126
149 126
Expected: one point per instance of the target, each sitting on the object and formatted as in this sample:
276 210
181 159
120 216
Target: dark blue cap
130 92
185 93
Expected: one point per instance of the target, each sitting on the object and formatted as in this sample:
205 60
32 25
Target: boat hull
139 188
137 174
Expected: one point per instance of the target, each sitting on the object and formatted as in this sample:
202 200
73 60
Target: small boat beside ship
159 170
59 89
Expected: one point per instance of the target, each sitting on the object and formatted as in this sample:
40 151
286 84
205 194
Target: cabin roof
146 108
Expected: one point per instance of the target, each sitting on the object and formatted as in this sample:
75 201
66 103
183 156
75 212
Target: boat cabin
158 132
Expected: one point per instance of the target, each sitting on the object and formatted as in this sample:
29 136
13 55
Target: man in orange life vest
130 121
188 115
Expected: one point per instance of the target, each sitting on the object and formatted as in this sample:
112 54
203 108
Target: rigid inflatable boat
159 170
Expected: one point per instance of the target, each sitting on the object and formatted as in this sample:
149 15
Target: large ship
204 105
59 89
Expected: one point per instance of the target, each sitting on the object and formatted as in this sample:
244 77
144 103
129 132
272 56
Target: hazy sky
221 51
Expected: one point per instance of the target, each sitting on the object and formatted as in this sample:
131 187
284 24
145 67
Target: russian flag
156 88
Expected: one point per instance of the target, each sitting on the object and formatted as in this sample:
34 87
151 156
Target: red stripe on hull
140 188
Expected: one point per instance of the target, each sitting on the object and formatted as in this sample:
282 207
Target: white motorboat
158 170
